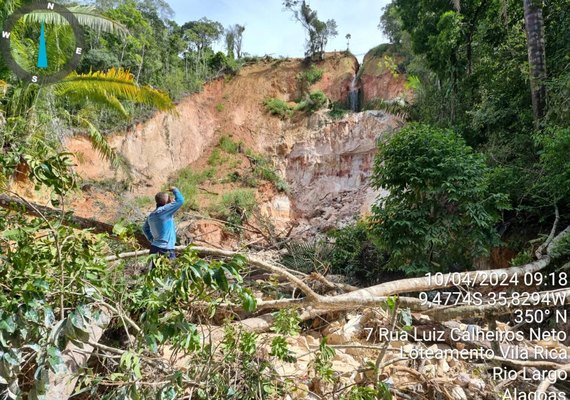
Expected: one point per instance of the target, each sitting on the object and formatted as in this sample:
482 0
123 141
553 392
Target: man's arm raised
171 208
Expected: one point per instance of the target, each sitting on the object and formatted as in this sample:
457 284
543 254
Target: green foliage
188 181
228 145
380 392
220 63
215 158
219 107
389 64
440 212
318 31
355 255
109 87
317 100
286 322
312 75
322 363
236 207
559 99
313 102
52 172
472 75
67 269
554 160
561 248
278 107
412 82
311 256
522 258
264 169
234 38
280 349
240 374
338 111
396 107
99 60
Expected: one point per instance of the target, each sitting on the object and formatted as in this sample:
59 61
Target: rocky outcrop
381 78
329 170
327 163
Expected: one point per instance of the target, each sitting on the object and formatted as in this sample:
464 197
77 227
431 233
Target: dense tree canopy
440 212
471 58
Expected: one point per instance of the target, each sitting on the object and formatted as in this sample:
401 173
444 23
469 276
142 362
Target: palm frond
310 256
99 142
86 16
117 83
103 99
7 7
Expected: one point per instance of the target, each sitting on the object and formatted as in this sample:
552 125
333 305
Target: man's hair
161 199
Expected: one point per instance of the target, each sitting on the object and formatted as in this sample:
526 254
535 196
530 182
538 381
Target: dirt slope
326 162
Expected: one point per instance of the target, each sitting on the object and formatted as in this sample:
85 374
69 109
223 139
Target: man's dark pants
157 250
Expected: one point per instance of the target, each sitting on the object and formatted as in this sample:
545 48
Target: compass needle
49 15
42 56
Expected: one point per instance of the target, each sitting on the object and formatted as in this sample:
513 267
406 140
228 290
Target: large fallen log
314 304
20 204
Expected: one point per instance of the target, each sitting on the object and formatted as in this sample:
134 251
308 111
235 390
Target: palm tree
86 93
107 90
536 56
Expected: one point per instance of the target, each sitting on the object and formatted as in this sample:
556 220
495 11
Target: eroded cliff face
162 145
381 78
329 168
326 162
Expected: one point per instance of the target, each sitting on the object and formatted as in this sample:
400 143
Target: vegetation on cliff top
487 153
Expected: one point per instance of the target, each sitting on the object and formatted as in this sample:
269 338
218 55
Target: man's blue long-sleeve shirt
159 227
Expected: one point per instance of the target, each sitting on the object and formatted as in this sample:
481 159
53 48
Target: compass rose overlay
42 60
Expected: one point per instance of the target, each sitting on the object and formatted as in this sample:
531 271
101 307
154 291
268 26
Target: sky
270 30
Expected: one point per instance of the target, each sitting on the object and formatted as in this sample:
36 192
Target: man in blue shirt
159 227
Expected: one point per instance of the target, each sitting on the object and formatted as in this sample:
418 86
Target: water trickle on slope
354 95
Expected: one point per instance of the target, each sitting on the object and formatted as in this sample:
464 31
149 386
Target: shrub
263 169
554 160
278 107
219 107
338 111
236 207
215 158
310 256
355 255
315 101
188 181
318 100
221 63
440 212
312 75
229 146
395 107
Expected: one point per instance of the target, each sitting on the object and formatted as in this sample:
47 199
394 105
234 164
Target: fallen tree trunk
315 304
22 205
